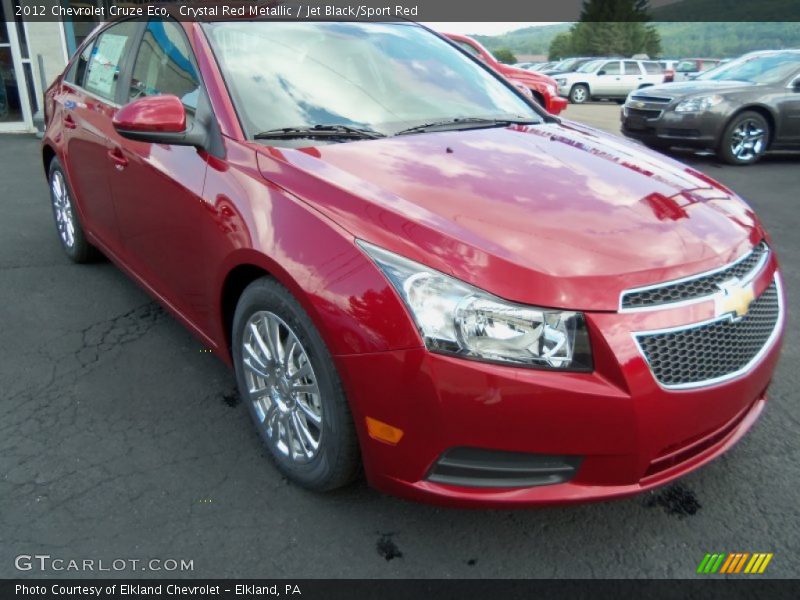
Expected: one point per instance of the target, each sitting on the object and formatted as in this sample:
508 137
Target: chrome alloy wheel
282 387
748 140
62 207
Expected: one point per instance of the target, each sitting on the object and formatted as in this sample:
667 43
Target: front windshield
590 66
380 76
771 68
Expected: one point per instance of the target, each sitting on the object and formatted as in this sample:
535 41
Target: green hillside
678 39
530 40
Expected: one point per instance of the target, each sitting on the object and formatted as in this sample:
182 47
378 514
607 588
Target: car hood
554 214
687 88
530 77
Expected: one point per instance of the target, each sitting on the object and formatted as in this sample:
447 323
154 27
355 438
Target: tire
579 94
745 139
70 231
290 421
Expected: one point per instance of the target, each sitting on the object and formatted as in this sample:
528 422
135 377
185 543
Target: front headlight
561 82
457 318
551 89
698 103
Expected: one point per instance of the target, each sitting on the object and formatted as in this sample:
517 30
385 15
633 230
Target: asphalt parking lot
121 438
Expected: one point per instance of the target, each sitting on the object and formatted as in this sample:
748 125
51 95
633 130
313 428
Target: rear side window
164 65
632 68
611 68
652 68
77 71
103 71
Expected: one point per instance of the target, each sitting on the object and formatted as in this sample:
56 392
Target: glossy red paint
543 87
158 114
553 215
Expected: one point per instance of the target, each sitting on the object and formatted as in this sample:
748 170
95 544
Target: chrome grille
697 287
713 351
651 99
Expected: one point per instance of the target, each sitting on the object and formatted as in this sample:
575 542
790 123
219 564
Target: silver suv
608 78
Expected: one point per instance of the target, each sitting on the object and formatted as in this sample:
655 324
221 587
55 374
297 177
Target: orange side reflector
383 432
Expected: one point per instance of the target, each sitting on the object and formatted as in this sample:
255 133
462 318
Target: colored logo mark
734 562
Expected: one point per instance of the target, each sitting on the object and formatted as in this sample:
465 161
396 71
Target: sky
481 28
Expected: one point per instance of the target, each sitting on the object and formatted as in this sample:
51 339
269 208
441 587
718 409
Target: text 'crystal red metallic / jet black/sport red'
411 265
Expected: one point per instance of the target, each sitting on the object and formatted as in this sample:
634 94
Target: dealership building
33 52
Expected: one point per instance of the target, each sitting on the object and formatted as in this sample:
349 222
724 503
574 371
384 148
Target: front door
157 188
788 104
607 79
88 99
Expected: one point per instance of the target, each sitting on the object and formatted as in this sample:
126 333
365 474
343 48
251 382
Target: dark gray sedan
739 110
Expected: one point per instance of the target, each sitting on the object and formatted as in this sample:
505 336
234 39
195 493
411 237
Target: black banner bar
388 589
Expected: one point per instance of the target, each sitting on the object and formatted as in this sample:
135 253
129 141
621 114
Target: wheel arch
233 286
339 305
762 110
48 154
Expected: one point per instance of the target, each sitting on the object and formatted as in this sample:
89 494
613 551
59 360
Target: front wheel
70 231
287 378
579 94
745 139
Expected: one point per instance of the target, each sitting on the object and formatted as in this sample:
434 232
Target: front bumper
627 433
556 104
666 127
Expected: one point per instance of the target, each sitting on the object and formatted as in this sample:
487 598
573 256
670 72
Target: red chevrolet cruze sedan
413 267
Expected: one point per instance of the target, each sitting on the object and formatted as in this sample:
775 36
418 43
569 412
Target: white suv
608 78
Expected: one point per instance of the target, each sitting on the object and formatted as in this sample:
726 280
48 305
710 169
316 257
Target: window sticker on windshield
104 67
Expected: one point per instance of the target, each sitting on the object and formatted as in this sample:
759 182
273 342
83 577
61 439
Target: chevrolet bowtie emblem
639 104
734 299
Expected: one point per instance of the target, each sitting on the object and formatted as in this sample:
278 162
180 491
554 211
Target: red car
543 88
412 267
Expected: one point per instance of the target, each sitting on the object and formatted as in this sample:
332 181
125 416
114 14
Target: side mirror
601 72
159 120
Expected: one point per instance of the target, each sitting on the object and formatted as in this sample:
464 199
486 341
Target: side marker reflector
383 432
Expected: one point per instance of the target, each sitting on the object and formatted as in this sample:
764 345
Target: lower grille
713 351
642 112
475 467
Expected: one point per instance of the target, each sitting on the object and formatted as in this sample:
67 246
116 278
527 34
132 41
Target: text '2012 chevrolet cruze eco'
411 266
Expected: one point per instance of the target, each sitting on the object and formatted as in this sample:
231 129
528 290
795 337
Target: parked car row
739 110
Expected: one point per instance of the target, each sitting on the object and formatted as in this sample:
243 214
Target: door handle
69 122
120 162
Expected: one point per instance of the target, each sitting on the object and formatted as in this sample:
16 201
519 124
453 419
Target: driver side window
164 65
611 68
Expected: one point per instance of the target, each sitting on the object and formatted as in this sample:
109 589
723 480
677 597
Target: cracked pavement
120 438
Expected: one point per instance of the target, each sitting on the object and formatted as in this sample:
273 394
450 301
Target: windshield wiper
467 123
319 131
